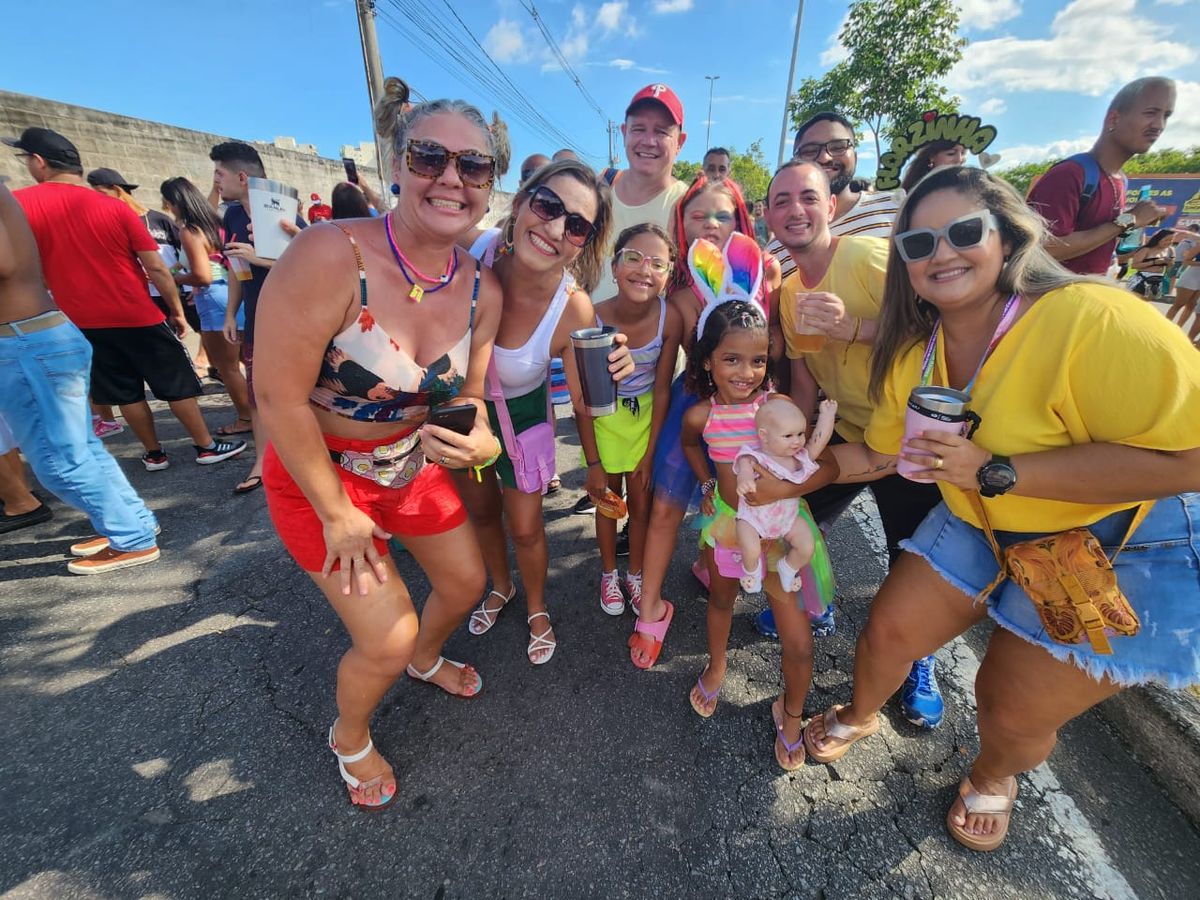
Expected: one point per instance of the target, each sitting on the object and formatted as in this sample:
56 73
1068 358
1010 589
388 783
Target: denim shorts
1158 571
211 301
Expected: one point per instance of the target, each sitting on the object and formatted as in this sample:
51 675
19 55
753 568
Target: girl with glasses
546 254
643 258
365 325
1089 408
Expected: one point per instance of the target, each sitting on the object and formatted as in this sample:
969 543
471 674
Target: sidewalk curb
1162 728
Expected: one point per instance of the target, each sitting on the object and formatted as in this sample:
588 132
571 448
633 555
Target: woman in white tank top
550 244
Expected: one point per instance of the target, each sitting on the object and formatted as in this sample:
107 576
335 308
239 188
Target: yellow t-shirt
856 274
657 210
1085 364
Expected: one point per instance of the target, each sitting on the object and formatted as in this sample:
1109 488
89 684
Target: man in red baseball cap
319 211
646 191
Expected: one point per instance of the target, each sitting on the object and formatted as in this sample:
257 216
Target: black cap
49 145
109 178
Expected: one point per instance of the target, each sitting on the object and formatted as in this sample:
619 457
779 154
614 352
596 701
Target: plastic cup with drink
592 347
806 338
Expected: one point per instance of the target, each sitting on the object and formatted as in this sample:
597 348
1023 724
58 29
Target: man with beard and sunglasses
836 287
828 139
1083 197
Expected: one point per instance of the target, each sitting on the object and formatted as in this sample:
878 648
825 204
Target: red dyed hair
681 276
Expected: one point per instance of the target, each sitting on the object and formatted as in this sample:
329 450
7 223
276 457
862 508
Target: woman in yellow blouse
1089 402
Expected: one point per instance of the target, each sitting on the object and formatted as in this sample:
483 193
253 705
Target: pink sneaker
633 585
106 429
612 601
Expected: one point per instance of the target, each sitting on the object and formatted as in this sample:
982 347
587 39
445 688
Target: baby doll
781 450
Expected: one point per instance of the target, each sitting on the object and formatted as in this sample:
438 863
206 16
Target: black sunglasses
963 233
428 159
548 206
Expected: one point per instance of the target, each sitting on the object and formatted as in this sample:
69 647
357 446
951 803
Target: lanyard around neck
1002 327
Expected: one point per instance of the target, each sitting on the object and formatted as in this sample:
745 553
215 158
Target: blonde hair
906 319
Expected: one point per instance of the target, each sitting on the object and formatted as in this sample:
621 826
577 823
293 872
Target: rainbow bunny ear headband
736 273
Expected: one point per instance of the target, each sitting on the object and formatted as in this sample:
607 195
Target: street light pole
791 74
712 80
365 10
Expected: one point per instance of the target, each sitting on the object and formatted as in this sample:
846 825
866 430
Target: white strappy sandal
428 676
482 619
539 642
360 790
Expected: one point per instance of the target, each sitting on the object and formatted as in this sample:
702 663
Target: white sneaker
612 601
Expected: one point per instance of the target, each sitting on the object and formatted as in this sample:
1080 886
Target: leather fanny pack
1070 581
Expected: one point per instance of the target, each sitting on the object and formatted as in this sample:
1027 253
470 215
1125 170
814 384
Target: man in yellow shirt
834 295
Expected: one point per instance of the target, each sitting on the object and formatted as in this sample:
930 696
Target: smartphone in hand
459 418
351 169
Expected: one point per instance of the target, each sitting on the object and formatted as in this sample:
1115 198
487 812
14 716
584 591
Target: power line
562 60
445 49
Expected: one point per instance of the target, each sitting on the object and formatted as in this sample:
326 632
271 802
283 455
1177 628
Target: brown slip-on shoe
108 560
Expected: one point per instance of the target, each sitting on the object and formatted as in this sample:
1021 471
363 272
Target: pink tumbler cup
933 408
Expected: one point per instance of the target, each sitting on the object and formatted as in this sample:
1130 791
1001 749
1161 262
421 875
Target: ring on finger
443 460
939 463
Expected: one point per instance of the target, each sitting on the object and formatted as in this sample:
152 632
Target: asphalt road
165 737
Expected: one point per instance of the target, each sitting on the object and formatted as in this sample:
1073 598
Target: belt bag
532 451
392 465
1070 581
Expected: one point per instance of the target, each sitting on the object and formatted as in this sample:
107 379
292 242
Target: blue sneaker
824 624
765 623
920 699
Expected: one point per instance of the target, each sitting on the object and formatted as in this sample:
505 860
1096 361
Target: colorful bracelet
708 487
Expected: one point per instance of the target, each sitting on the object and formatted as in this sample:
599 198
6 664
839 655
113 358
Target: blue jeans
44 399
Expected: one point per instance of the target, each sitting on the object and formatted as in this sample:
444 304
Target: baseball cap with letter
659 93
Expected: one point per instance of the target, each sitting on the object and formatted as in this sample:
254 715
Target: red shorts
429 504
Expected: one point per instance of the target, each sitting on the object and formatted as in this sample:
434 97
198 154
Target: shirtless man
45 363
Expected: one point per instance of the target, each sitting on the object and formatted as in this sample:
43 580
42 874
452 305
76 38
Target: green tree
899 50
748 169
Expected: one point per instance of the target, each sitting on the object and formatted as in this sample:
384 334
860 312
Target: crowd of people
403 389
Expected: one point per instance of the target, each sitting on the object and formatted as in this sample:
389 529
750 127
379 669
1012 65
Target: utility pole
612 147
791 74
712 80
374 70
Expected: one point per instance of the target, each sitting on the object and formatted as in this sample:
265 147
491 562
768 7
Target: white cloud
672 6
626 65
1183 128
1078 56
609 15
1023 153
505 42
980 15
834 52
992 107
622 64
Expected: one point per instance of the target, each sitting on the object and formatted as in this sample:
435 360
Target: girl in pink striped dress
727 367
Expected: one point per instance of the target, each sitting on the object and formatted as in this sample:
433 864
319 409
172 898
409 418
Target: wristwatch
1126 222
997 476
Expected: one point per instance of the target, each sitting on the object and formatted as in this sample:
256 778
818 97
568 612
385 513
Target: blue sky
1040 70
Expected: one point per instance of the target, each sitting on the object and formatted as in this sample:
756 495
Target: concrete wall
148 153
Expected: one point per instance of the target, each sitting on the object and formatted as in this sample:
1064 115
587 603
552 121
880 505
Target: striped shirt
729 426
871 216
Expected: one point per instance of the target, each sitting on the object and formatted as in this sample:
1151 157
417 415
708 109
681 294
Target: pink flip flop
656 632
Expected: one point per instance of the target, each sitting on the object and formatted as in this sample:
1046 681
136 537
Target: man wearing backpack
646 191
1083 197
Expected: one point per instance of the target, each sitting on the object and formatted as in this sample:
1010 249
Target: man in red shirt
319 212
96 255
1088 231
